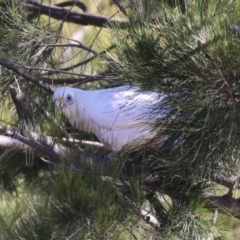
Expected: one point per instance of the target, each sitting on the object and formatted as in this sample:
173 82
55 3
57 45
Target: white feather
117 116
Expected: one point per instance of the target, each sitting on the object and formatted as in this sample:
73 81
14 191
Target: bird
118 116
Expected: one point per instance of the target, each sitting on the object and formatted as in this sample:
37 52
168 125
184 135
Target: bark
62 14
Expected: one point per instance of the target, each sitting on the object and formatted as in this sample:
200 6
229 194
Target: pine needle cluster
194 59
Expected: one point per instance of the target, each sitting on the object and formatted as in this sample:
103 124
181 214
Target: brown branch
42 84
75 3
225 204
65 70
83 80
47 145
46 151
11 144
84 142
18 99
123 9
60 13
50 70
89 59
231 181
78 45
52 142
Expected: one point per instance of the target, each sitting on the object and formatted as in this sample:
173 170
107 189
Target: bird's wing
122 107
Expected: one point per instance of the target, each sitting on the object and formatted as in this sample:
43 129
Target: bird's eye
69 99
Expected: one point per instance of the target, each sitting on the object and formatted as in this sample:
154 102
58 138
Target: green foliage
19 170
74 203
192 58
22 42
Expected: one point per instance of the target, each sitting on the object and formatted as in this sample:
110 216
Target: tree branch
84 62
73 4
46 151
11 144
122 9
89 78
60 13
46 145
73 45
225 203
18 99
42 84
231 181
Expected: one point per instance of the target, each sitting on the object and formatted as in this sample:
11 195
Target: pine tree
187 50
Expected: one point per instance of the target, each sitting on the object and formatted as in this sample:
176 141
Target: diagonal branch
72 45
42 84
225 203
47 145
60 13
46 151
11 144
230 181
84 62
123 9
15 141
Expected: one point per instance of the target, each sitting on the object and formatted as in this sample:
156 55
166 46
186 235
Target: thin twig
50 70
219 72
42 84
73 46
120 7
89 59
72 235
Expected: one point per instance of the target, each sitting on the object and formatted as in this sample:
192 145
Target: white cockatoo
117 116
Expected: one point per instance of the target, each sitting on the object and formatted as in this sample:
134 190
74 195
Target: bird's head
64 98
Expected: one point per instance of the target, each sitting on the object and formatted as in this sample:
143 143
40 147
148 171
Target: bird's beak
60 102
63 102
